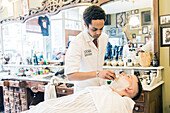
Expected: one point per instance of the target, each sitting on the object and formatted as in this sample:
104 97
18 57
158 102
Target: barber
85 56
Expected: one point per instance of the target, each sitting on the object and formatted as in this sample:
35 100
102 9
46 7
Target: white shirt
84 56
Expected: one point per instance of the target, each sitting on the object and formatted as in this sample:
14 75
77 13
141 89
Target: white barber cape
83 56
91 100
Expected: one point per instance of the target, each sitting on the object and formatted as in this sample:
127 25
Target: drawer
24 107
6 99
65 91
17 83
141 98
22 90
11 100
16 95
5 87
17 102
41 87
11 94
4 83
138 108
22 96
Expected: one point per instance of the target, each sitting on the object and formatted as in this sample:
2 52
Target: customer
96 99
85 56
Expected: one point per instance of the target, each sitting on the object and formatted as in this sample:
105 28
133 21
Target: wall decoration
145 30
165 19
134 35
140 32
165 36
25 7
108 32
147 39
137 16
119 31
138 39
120 19
146 17
113 31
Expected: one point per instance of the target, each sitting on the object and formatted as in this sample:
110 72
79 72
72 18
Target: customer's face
132 79
95 28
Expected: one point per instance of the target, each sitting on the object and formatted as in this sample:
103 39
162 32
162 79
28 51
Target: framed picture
140 32
25 6
165 36
147 39
165 19
135 45
137 16
120 19
146 17
138 39
119 31
145 30
133 35
113 31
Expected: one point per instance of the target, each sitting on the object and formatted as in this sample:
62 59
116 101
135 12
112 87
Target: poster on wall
137 25
120 19
165 19
165 36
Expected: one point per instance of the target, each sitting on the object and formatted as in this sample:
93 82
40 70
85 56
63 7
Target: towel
50 91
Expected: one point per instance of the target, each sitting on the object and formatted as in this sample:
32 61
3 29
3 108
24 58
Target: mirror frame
52 7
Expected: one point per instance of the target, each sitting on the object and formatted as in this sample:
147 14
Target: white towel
50 91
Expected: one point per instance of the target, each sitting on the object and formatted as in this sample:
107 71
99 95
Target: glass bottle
155 60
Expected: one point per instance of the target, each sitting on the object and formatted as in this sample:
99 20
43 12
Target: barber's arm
105 74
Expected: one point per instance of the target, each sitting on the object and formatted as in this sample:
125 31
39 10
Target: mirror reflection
45 38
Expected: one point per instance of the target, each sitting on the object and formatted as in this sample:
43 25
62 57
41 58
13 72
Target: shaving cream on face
119 83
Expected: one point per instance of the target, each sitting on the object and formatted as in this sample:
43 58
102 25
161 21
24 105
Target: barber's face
95 28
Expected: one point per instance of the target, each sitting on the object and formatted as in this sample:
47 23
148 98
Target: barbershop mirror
66 24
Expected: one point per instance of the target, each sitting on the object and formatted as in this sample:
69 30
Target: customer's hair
139 90
93 12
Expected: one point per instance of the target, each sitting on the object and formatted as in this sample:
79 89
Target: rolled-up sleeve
73 57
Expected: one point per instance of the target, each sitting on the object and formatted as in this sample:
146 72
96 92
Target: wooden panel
141 98
156 27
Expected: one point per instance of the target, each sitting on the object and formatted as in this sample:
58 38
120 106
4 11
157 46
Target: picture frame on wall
140 32
147 39
133 35
120 19
165 36
165 19
146 17
145 30
113 31
25 7
138 25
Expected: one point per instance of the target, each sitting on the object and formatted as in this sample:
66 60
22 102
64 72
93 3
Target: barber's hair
93 12
139 90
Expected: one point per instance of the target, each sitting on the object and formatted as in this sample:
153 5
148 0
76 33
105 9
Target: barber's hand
107 74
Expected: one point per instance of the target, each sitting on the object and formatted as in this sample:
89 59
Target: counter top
150 88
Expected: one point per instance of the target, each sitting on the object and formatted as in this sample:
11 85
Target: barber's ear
129 90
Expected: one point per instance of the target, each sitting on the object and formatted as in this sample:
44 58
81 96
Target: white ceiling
122 5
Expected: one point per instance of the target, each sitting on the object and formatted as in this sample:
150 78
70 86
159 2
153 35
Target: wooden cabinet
149 101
